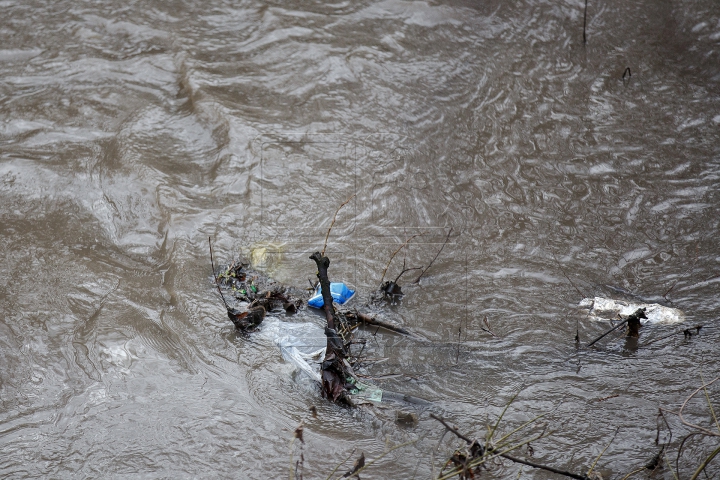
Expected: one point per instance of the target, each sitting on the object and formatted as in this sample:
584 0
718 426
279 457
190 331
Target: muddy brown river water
131 131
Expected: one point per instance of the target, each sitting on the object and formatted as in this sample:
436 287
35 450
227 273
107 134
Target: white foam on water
606 308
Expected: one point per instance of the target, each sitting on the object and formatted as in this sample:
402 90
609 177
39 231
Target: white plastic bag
600 308
302 344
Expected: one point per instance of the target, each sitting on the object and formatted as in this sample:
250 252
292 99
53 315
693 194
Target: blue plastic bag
339 291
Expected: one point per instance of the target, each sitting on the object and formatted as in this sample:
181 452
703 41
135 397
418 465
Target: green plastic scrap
365 391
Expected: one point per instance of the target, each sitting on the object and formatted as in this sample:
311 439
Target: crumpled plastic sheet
600 308
302 344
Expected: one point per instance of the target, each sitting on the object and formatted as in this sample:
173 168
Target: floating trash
266 256
340 292
302 344
364 391
600 308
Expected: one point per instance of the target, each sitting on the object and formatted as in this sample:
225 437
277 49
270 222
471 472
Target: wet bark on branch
323 263
370 320
335 367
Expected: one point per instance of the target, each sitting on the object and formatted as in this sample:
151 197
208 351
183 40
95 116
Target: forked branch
396 252
417 280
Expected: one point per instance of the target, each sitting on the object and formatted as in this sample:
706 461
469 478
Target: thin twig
333 222
384 455
371 320
340 464
457 356
442 437
698 427
707 397
657 437
404 271
529 422
627 72
396 252
641 469
436 256
568 278
680 449
607 333
503 453
544 467
502 414
217 282
698 327
451 429
485 320
602 453
667 462
655 461
705 463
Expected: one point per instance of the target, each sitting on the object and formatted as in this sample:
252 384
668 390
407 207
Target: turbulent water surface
132 131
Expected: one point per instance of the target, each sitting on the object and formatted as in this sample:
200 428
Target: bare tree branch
333 222
436 256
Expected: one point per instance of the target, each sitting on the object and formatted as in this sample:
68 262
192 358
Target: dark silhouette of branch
568 278
370 320
544 467
404 271
396 252
436 256
450 429
217 282
509 457
322 262
607 333
633 320
333 223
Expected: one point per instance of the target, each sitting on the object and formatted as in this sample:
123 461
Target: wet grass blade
521 427
340 464
592 467
705 463
707 397
492 431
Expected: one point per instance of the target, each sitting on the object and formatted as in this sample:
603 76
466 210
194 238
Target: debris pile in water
255 295
600 308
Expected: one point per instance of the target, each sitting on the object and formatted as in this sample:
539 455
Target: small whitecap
690 123
601 169
18 55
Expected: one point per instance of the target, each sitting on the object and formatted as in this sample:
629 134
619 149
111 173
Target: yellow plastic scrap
266 256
